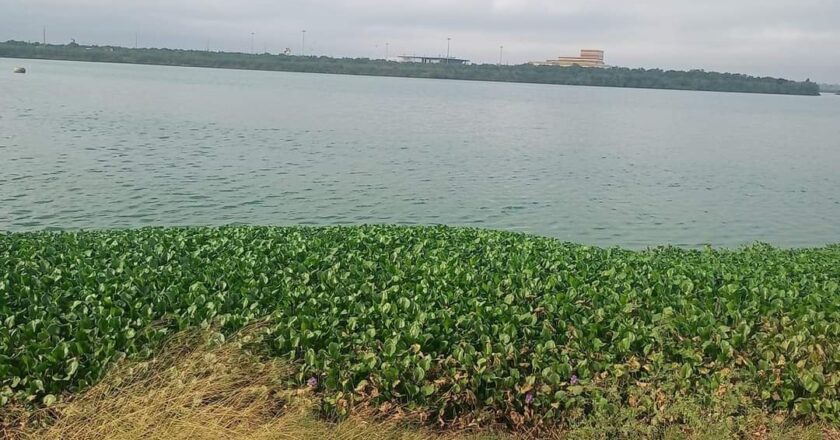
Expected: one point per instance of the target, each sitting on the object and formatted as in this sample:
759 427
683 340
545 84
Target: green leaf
361 385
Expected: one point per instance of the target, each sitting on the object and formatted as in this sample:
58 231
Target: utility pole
386 51
448 40
252 43
135 40
45 35
303 42
501 49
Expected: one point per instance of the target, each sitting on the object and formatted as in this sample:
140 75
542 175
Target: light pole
386 50
501 50
252 43
448 40
303 42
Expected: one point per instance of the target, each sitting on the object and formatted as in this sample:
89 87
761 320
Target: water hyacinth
448 320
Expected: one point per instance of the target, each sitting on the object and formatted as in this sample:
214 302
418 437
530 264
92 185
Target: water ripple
611 167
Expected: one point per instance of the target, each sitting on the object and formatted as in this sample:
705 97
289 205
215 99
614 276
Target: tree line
524 73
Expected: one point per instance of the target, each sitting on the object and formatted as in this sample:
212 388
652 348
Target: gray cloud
791 38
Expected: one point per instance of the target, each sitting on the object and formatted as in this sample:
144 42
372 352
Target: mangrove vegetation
525 73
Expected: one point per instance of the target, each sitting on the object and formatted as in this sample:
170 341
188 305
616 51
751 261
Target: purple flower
574 379
529 398
312 382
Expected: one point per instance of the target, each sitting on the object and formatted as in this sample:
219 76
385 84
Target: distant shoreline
695 80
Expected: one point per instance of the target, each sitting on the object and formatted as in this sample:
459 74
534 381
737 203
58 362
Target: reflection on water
104 146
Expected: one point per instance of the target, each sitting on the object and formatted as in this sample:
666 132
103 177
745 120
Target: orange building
587 58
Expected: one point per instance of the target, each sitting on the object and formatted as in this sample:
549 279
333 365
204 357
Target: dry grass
197 388
201 388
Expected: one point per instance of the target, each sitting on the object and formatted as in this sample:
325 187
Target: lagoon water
85 145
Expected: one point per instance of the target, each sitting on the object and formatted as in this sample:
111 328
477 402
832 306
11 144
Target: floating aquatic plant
450 321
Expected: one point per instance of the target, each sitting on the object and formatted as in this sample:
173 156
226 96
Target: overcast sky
796 39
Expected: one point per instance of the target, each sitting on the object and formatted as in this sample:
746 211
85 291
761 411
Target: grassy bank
525 73
199 386
458 327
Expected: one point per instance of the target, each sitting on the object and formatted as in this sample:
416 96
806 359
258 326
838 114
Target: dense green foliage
613 77
457 322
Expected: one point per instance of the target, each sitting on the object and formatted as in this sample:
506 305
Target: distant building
587 58
431 60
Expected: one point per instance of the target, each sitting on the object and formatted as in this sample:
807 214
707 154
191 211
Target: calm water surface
115 146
